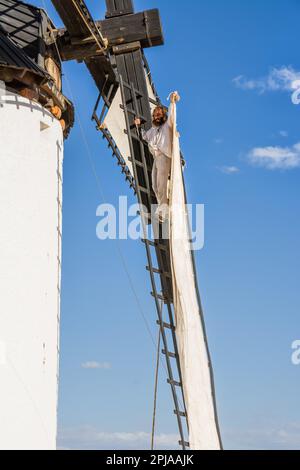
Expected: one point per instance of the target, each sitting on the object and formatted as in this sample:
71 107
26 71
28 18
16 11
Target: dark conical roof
12 55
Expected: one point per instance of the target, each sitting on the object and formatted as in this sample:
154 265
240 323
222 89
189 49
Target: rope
104 44
155 387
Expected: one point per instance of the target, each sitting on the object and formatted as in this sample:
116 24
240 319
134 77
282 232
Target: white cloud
96 365
276 158
283 133
285 436
87 437
229 170
137 437
278 79
282 437
218 140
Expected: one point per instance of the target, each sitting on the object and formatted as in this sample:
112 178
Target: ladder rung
180 413
186 444
129 110
147 215
174 382
155 243
136 91
160 297
168 353
167 274
155 270
166 325
132 111
138 163
143 190
159 271
161 246
150 242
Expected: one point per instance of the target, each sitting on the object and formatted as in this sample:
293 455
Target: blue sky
234 64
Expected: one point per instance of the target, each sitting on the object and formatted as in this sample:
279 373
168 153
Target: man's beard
158 121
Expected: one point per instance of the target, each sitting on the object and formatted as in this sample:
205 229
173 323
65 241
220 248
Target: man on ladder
159 139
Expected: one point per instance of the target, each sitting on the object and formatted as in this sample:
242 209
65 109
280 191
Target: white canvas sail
116 125
190 334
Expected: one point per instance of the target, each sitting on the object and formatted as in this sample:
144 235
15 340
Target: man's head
159 116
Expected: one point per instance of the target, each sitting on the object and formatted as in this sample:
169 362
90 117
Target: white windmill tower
34 119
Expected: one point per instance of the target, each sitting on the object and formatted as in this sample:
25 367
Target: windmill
113 52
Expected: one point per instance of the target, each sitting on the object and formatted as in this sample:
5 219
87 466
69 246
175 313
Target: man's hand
174 97
137 121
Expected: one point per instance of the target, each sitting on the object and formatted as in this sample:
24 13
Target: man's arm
174 97
170 120
141 132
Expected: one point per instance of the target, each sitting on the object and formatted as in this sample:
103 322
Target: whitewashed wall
31 154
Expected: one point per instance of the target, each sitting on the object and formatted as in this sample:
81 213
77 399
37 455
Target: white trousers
160 175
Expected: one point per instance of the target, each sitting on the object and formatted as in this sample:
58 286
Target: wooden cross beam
121 26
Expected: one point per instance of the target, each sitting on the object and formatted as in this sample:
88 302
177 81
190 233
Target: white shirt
160 138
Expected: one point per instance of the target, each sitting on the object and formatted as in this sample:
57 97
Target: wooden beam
70 17
118 8
82 31
79 52
144 27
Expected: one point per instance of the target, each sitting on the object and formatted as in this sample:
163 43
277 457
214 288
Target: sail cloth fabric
116 124
190 334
